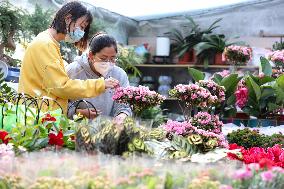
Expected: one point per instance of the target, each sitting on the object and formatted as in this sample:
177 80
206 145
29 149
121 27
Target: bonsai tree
184 43
10 27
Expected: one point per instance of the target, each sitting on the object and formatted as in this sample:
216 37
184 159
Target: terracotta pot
188 58
218 59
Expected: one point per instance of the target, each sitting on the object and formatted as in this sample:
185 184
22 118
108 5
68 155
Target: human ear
68 19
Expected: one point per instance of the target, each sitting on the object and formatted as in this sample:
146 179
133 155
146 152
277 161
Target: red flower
266 163
234 146
72 137
48 117
3 137
56 139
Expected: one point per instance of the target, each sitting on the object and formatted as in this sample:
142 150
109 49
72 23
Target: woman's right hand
88 113
111 83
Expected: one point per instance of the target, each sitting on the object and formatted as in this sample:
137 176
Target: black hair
100 41
76 10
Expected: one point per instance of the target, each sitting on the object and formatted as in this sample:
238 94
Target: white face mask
103 67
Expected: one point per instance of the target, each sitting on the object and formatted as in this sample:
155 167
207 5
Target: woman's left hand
119 118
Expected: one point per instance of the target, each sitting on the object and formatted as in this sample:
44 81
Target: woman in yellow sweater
43 72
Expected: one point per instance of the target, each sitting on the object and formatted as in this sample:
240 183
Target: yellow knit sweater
43 73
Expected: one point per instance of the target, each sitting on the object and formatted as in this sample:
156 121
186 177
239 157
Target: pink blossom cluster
241 96
6 150
214 89
237 54
208 122
277 57
186 128
193 95
223 73
277 72
137 97
253 169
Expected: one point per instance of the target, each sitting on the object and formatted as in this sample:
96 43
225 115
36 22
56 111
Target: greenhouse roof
152 9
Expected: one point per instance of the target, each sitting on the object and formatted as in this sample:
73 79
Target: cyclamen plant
139 98
237 55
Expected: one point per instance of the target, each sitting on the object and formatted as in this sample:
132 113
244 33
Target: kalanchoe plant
208 122
197 134
192 96
237 55
229 82
139 98
214 89
277 57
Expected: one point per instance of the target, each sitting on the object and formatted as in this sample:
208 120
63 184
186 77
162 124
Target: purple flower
267 176
243 174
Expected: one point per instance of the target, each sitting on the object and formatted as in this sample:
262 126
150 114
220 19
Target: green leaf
256 88
217 78
196 74
169 183
230 83
273 106
231 100
266 68
266 80
279 92
280 81
267 92
202 46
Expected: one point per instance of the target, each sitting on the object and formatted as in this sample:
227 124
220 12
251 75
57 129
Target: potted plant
278 46
183 44
127 59
237 55
212 46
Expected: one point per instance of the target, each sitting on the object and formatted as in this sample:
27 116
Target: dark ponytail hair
76 10
101 40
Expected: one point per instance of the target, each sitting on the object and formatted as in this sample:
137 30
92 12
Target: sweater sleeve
57 82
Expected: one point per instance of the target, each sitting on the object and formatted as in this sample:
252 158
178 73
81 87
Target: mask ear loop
68 31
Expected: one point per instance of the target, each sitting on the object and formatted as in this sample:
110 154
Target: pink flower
241 97
267 176
253 166
243 174
261 75
225 187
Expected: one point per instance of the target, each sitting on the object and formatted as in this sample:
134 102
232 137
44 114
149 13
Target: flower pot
145 123
268 122
218 59
262 122
188 57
